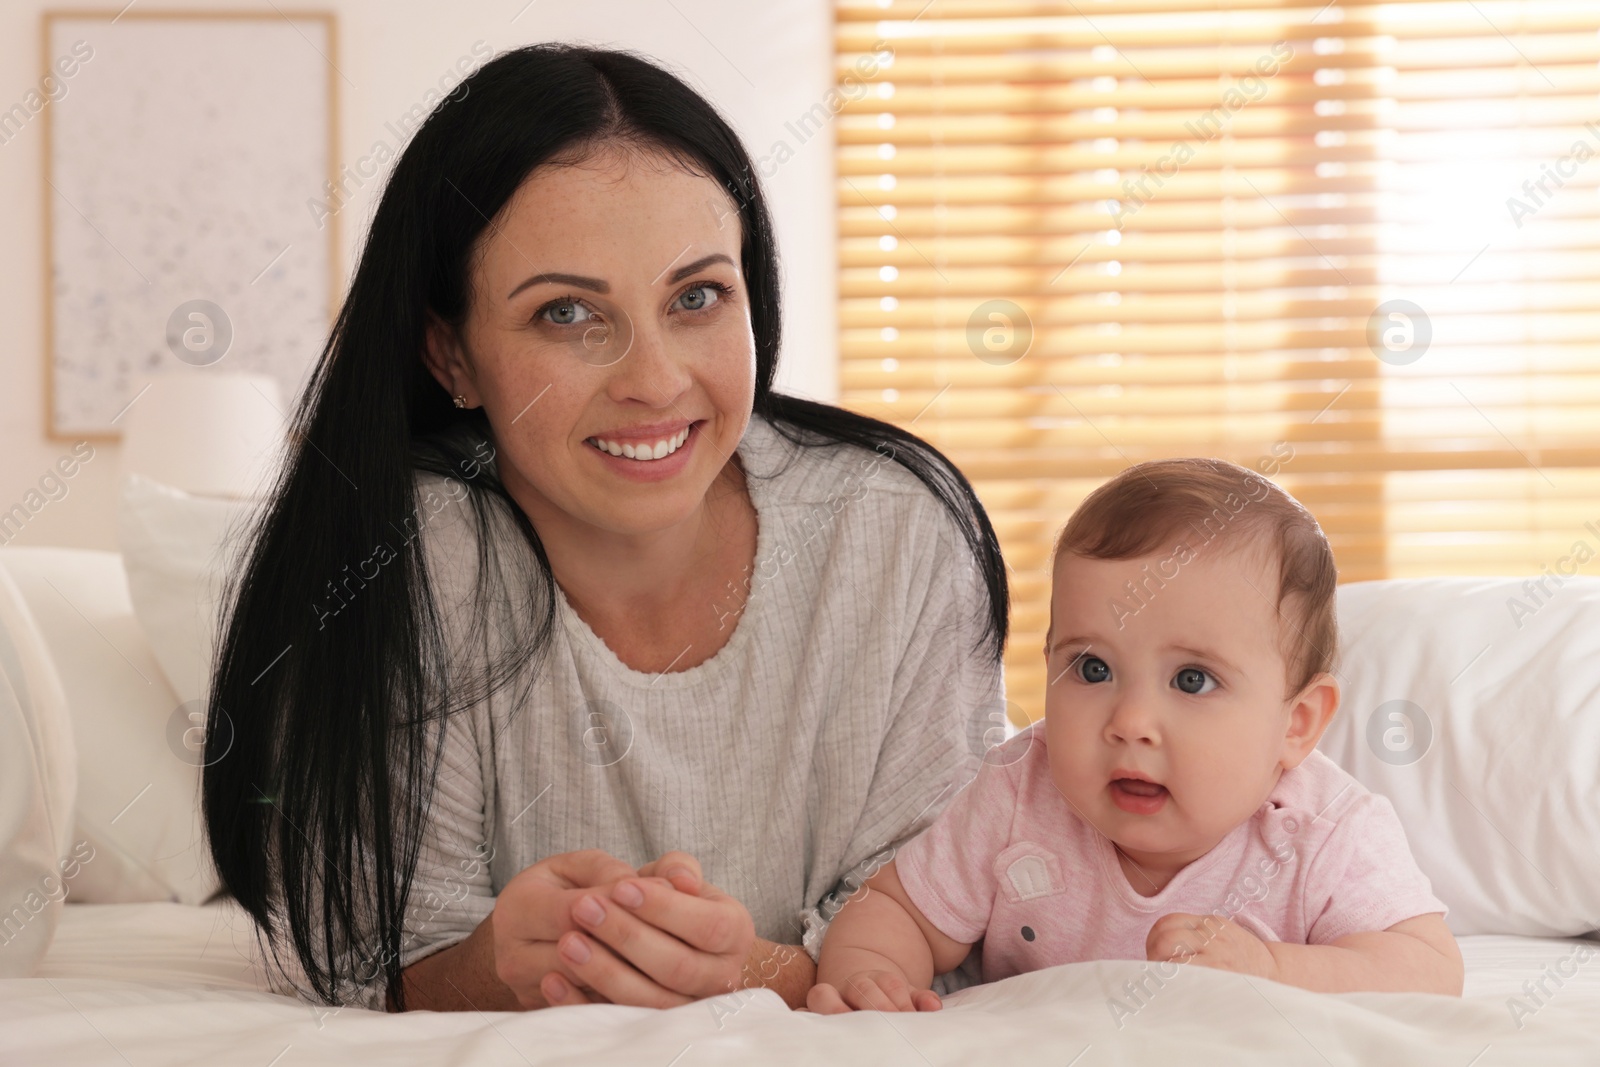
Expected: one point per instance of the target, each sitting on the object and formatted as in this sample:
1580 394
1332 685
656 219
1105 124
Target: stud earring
461 401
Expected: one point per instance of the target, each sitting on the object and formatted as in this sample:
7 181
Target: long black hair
324 733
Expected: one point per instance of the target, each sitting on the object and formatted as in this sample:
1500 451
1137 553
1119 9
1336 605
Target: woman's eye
699 298
1094 669
567 313
1194 681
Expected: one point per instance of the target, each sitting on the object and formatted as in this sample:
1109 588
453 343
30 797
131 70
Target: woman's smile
645 454
644 443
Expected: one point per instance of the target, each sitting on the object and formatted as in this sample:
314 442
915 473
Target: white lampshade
206 433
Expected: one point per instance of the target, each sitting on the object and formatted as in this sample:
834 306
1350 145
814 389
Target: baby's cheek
1214 802
1067 768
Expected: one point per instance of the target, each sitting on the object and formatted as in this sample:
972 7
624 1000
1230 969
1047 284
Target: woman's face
608 341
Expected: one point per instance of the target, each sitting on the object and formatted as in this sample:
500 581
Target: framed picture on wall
186 157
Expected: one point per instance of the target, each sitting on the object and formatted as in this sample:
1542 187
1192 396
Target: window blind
1353 245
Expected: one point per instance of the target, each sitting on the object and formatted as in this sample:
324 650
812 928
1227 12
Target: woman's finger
560 993
599 969
525 967
583 869
536 905
666 959
710 921
534 909
669 867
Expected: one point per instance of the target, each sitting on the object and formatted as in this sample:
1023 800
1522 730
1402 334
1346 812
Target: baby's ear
1310 711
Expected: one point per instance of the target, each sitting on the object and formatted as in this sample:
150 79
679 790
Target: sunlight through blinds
1355 246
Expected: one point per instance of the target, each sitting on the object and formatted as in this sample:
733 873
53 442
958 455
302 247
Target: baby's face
1188 695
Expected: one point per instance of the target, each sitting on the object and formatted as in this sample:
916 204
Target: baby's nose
1131 720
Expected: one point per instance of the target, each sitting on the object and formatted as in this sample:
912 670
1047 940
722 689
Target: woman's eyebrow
600 285
597 285
700 264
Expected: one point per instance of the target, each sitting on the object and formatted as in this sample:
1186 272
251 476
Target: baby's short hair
1165 502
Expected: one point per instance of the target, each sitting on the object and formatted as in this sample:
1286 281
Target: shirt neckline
754 442
1111 871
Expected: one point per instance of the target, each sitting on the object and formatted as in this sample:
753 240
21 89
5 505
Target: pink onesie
1011 862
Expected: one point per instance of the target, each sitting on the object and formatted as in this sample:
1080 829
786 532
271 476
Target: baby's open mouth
1137 796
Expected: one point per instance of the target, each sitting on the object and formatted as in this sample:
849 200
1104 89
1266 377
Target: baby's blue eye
1194 681
1094 669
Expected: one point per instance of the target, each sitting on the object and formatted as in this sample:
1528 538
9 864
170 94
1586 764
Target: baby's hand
1210 941
871 991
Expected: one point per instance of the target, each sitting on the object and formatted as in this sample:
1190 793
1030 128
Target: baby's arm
881 953
1418 955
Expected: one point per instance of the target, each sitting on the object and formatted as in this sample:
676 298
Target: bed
1479 719
172 983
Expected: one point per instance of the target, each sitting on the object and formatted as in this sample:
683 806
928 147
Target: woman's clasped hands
584 927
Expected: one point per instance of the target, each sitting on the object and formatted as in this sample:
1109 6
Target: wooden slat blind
1077 235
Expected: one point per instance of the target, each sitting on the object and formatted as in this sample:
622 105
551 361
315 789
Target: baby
1172 806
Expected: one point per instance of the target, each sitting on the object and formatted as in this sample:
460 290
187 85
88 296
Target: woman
620 670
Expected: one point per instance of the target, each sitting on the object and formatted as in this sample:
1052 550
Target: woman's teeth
660 450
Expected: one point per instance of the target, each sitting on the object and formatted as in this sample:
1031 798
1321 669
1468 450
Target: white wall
764 64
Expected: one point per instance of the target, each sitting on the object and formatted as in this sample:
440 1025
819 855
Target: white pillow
1473 704
178 548
138 782
38 780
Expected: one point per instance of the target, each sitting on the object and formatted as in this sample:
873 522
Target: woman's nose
649 371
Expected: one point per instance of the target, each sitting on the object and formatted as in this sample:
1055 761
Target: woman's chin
638 511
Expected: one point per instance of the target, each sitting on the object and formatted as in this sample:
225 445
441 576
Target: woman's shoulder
848 502
457 524
442 517
828 473
454 502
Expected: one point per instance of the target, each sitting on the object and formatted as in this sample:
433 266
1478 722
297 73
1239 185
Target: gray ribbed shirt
850 703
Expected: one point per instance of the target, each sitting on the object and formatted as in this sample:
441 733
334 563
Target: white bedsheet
169 984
